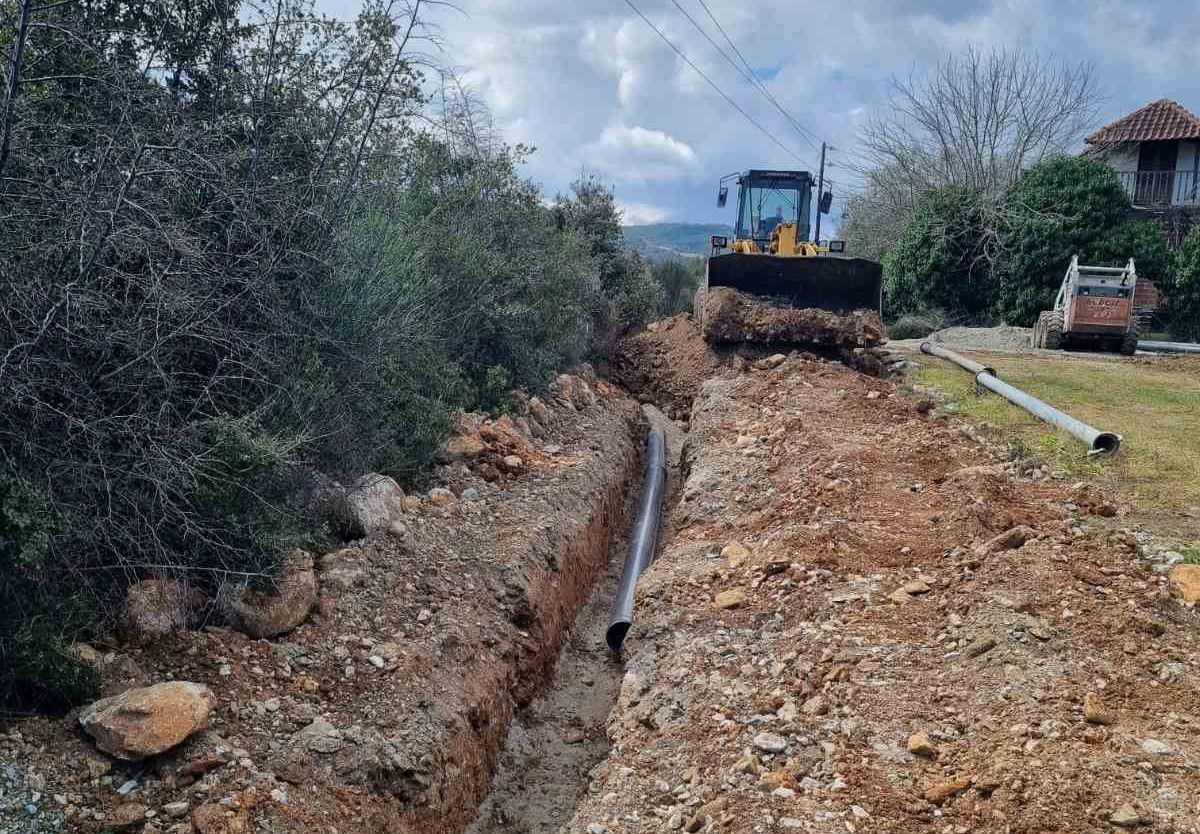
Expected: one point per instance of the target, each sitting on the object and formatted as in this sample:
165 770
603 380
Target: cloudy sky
593 88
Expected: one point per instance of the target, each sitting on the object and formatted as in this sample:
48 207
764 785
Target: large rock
280 609
1185 582
144 722
155 608
370 505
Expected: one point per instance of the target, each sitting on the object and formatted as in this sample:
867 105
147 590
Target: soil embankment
387 709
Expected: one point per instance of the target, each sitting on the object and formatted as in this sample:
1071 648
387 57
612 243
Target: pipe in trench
1168 347
1099 442
644 539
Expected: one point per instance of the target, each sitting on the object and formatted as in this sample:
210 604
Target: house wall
1123 157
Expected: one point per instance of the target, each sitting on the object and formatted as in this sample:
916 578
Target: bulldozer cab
768 199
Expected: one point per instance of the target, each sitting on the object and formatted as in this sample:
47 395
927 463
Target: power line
712 84
748 73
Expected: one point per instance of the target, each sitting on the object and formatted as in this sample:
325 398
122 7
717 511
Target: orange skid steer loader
1094 308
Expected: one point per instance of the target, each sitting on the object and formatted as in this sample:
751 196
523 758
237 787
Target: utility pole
820 191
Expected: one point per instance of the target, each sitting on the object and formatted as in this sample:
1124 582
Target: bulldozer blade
837 284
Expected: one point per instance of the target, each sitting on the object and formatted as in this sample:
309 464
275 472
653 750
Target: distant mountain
660 241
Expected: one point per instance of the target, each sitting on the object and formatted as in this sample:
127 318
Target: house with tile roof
1155 151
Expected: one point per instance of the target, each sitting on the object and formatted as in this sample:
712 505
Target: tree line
975 205
246 249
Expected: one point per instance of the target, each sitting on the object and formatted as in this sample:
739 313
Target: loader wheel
1054 330
1130 342
1037 340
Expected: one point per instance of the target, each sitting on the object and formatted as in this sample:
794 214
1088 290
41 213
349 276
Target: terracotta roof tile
1162 119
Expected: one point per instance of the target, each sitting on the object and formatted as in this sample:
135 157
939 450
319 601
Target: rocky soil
729 316
862 618
866 622
385 710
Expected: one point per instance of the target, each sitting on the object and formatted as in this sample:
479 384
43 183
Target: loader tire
1038 338
1130 342
1054 330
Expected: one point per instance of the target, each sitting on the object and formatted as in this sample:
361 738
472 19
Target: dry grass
1152 402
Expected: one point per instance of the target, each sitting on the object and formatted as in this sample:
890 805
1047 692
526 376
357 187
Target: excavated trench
554 740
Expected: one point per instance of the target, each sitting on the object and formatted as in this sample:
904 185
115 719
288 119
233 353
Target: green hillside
660 241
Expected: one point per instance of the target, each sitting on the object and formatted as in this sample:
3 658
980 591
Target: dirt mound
1003 337
730 316
666 364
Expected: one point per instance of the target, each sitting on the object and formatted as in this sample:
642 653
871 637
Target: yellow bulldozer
772 284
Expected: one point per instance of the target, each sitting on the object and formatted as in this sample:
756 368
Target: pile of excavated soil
386 710
666 363
864 622
732 316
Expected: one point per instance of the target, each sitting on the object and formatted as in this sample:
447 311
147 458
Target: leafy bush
1183 289
628 293
245 271
1059 208
916 325
678 281
941 259
37 623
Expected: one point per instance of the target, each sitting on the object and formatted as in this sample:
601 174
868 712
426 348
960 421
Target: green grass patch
1151 404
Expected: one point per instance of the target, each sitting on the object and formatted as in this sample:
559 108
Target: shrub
941 258
1059 208
678 281
216 283
1183 289
916 325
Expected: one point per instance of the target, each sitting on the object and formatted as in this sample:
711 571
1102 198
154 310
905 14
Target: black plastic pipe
644 538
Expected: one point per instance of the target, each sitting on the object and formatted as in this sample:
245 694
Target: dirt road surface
865 623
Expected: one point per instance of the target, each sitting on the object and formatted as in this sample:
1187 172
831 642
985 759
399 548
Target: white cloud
637 154
594 89
636 214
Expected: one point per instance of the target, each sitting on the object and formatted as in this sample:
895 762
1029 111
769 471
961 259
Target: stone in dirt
919 744
981 646
939 792
157 607
732 316
127 815
370 505
462 447
770 742
733 598
144 722
212 818
1125 817
1095 711
735 554
1008 540
441 497
816 705
1185 582
280 609
769 362
320 737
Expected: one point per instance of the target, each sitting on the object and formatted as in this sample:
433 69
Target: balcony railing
1153 189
